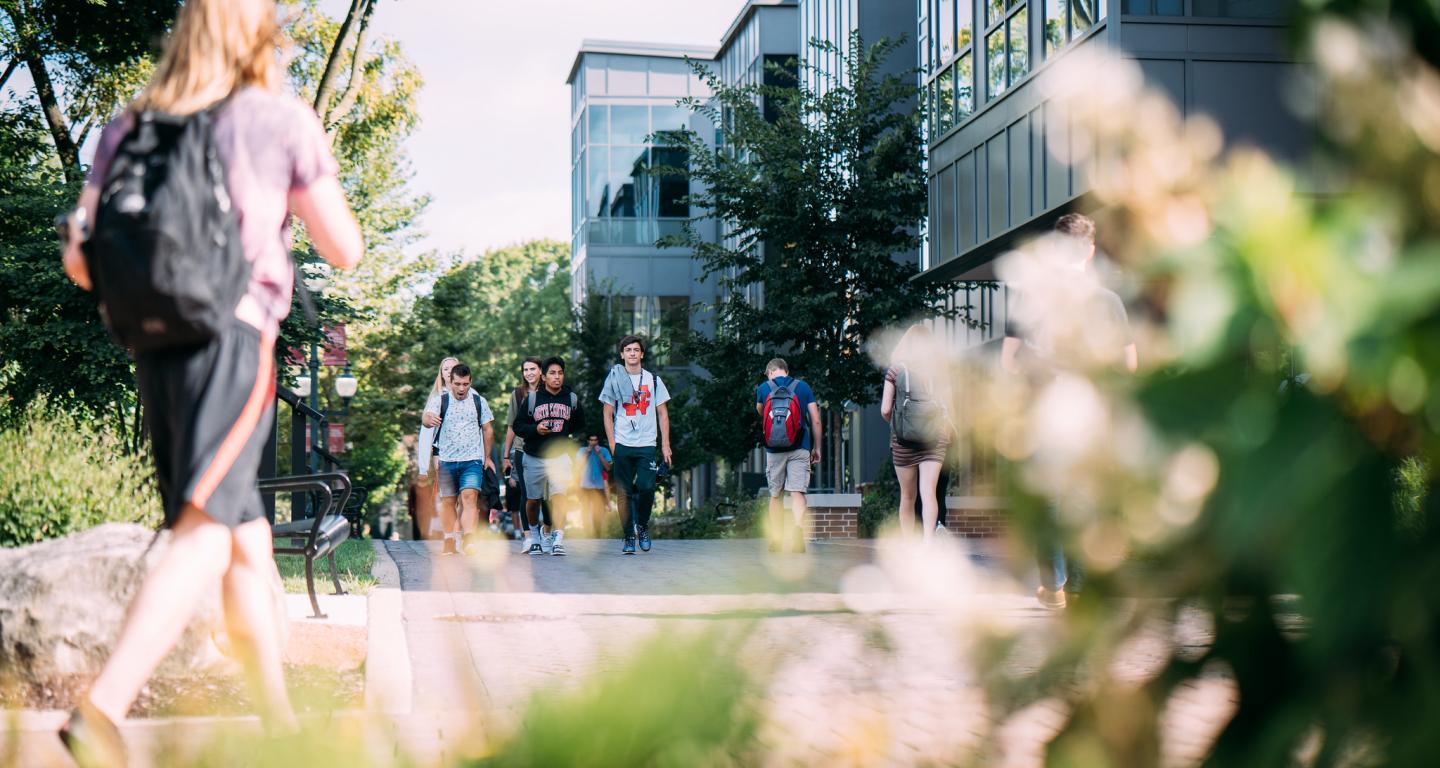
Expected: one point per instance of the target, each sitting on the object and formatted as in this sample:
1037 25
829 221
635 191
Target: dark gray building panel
1234 70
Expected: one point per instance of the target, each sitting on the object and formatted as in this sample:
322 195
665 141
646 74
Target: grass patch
354 559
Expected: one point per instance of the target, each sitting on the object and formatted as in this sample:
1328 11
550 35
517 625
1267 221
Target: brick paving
869 651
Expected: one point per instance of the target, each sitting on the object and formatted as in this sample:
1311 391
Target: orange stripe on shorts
260 396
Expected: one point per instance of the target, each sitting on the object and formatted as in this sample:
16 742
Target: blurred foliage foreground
1268 470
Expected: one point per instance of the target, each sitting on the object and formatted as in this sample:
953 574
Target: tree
490 313
55 345
820 195
94 46
595 330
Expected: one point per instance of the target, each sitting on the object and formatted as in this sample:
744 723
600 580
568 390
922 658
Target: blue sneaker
629 548
644 535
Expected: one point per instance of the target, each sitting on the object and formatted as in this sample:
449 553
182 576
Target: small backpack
784 422
165 254
445 406
918 418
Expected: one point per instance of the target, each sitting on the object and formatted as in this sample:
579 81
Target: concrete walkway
869 652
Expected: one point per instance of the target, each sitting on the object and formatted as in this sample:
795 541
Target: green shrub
60 474
879 501
1411 484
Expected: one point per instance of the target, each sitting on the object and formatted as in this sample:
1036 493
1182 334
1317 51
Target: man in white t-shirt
636 419
462 442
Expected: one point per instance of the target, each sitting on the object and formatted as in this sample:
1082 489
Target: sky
493 145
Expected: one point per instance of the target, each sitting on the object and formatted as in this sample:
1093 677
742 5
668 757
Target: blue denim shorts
457 476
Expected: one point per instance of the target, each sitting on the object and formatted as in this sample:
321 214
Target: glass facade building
626 191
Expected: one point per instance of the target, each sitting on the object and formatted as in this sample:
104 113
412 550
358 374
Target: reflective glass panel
944 101
1082 16
994 11
670 187
1169 7
599 132
1019 45
964 20
629 174
629 125
666 119
995 64
597 178
964 86
945 29
1054 25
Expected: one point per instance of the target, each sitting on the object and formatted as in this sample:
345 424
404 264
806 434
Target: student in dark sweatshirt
547 419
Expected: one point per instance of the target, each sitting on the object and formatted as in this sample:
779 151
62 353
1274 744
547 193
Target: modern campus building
993 177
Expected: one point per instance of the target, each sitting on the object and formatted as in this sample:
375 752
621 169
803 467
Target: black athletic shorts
209 411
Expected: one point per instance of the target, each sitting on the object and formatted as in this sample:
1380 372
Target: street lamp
345 386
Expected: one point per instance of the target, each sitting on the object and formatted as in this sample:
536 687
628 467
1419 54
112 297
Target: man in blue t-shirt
594 462
790 419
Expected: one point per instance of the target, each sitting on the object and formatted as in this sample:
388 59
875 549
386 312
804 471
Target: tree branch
55 118
9 70
357 74
327 76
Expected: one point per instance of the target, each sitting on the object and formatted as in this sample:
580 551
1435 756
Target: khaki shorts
789 471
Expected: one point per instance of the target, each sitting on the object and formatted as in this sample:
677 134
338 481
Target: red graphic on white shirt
640 402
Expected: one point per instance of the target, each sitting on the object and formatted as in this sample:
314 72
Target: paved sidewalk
870 649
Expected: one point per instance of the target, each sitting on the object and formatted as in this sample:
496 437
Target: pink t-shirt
271 144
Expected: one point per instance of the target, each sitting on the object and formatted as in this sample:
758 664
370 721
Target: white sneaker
941 530
531 546
557 543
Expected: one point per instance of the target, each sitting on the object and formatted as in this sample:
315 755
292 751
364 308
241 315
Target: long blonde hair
215 48
440 376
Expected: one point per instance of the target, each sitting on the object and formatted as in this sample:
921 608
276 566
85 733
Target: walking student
595 461
547 418
513 460
790 428
427 496
1041 341
463 434
636 419
914 402
209 401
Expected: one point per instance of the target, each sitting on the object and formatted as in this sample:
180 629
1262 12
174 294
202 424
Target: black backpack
165 254
445 406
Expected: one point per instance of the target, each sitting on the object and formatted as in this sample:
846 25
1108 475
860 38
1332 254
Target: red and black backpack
784 421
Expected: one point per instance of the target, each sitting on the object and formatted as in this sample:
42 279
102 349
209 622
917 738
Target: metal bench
318 536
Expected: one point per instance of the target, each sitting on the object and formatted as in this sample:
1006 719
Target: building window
628 171
1066 20
947 47
1007 45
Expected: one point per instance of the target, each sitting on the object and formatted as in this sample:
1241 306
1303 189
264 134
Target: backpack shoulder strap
530 403
478 425
444 406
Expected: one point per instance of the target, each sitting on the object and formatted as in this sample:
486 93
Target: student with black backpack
636 419
790 432
463 440
914 402
189 194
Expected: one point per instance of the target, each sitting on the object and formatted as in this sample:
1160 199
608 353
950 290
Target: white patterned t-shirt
460 438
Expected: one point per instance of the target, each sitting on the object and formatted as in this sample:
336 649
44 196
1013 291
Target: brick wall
835 516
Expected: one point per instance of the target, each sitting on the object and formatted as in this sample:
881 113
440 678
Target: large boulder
62 603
